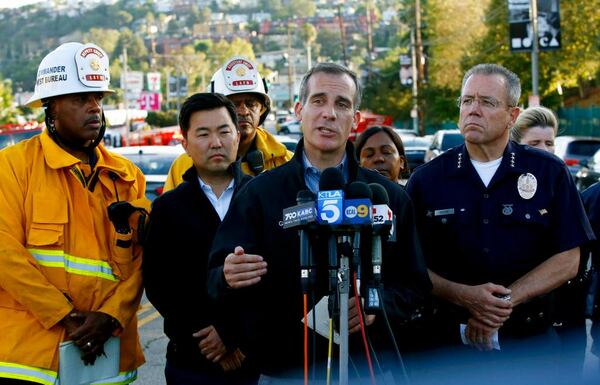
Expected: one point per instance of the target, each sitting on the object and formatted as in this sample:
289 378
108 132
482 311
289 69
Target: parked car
573 149
405 132
289 142
291 127
442 141
10 137
415 148
589 172
154 161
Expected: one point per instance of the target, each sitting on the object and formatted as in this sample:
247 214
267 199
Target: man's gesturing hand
242 270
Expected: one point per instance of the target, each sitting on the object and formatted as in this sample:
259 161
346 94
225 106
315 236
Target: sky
16 3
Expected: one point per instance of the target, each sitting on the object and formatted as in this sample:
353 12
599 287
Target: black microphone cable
305 196
380 197
393 337
363 328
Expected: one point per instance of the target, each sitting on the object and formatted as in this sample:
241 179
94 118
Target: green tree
308 34
384 94
137 53
274 6
301 8
107 39
8 111
203 45
195 66
330 43
124 18
573 65
450 37
222 50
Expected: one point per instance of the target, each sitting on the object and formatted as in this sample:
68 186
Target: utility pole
168 76
342 34
125 101
534 100
414 113
369 42
178 88
420 65
290 70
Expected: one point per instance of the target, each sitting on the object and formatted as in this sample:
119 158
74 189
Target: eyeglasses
487 102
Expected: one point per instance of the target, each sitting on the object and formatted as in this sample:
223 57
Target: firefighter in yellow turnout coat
258 151
67 271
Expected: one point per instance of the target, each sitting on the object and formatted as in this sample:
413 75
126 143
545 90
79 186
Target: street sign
134 84
520 25
175 89
149 101
405 70
134 81
153 79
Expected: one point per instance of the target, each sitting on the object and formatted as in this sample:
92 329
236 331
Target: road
154 343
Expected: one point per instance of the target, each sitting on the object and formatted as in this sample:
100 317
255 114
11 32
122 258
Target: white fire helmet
240 76
70 69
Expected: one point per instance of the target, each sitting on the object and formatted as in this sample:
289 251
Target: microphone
308 215
330 198
255 161
302 215
382 214
357 214
330 206
382 220
357 205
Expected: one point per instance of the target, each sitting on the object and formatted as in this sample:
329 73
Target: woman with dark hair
379 148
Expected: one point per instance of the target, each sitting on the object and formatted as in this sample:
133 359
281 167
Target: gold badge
527 185
240 71
95 64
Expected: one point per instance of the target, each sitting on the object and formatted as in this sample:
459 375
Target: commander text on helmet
240 81
68 230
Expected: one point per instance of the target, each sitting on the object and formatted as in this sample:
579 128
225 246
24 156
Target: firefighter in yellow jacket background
70 214
240 81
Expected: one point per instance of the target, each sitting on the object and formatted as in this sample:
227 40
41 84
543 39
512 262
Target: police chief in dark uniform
501 225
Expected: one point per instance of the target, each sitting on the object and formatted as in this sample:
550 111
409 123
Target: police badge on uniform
527 185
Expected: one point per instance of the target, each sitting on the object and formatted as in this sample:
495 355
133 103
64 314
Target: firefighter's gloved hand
96 328
70 323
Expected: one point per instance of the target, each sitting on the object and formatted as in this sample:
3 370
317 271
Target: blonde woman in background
536 127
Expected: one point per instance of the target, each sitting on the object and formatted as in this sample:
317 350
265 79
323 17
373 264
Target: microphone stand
343 291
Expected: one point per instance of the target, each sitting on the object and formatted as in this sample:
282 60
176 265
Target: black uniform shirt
591 201
474 234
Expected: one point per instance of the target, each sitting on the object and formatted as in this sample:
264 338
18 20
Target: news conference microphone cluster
341 212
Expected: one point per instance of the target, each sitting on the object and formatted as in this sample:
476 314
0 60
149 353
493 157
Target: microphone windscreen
255 161
331 179
358 190
305 196
380 195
